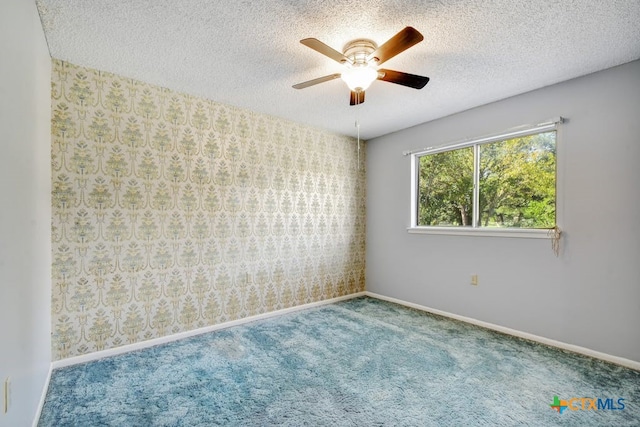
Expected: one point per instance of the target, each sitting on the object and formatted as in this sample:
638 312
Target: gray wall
25 212
590 295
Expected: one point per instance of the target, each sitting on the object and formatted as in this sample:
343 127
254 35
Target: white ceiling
247 53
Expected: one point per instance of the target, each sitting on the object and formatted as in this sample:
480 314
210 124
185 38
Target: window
501 184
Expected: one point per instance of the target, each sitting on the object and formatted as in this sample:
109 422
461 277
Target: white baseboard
43 396
547 341
169 338
162 340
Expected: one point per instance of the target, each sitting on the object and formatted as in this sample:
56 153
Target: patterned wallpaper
172 212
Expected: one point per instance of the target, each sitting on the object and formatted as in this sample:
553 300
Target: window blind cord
555 233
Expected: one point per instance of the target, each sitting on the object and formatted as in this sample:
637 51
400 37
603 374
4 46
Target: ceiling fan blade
396 44
316 81
356 98
404 79
318 46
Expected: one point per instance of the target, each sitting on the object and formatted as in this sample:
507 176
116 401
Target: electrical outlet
474 280
7 395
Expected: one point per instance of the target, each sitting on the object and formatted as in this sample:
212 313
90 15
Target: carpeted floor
362 362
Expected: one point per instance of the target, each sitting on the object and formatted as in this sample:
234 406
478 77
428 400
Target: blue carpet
362 362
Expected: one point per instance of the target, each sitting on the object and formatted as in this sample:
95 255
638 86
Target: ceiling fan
361 58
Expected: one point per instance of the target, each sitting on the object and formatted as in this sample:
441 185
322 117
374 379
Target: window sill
521 233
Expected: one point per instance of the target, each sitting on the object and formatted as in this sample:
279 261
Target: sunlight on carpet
360 362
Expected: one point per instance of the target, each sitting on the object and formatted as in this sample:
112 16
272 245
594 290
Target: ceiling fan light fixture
359 77
360 59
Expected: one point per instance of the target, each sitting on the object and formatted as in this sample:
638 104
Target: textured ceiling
247 53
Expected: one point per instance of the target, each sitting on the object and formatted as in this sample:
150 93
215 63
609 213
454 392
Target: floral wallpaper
172 212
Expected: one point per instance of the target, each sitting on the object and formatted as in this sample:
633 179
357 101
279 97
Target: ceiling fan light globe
359 78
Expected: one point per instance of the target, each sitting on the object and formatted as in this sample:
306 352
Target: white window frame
474 230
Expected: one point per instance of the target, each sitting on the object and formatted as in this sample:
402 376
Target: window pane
445 188
518 182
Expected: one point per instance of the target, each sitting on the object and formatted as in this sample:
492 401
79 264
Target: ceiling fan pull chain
358 128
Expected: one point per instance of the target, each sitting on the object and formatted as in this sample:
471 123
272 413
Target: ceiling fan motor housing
358 50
